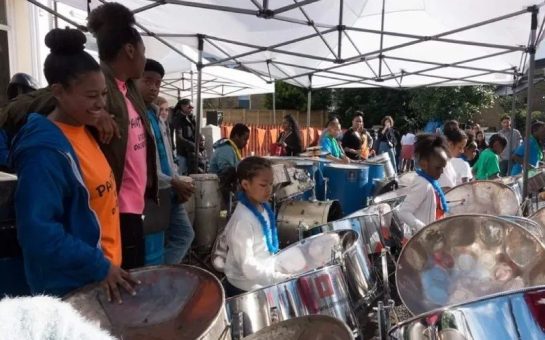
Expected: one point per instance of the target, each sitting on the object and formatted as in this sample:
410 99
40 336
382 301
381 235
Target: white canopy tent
353 43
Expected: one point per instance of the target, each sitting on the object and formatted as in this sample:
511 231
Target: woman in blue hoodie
58 230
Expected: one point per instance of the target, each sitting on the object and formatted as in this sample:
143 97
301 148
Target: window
4 53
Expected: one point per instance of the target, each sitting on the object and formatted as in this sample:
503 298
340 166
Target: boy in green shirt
488 164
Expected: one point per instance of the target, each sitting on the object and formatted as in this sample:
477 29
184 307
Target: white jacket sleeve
413 202
257 269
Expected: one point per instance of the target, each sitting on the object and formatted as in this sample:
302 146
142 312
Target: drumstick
462 201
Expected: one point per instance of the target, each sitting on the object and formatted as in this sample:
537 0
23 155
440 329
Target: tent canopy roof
351 43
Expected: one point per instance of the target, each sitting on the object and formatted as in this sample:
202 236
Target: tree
290 97
445 103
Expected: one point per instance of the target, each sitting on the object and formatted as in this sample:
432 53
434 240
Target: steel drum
539 217
173 302
406 179
292 214
515 183
280 174
300 182
384 159
531 226
483 197
462 258
393 198
536 180
207 209
513 315
372 223
339 246
311 327
322 291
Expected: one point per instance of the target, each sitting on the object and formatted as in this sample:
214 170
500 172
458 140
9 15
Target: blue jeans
179 234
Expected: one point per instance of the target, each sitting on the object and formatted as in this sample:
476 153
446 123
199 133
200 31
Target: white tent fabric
362 57
218 81
180 81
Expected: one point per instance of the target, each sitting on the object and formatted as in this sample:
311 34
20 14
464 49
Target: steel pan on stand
173 302
293 213
464 257
483 197
510 315
322 291
311 327
344 246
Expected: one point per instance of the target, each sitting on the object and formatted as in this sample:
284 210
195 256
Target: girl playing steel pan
426 201
251 237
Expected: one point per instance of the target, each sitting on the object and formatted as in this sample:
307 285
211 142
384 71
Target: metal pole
531 71
341 29
199 106
513 126
309 105
191 87
274 102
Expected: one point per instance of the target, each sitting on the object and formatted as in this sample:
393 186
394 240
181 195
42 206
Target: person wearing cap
184 128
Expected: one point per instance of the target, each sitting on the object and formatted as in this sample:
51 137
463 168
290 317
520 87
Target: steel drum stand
385 307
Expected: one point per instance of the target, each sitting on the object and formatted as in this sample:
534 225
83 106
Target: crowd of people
97 150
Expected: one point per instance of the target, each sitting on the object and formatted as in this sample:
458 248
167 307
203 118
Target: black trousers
132 241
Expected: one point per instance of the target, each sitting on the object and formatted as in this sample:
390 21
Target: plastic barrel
348 184
376 172
155 248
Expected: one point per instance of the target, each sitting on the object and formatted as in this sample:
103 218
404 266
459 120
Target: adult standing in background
131 154
290 138
356 141
512 143
386 140
481 141
184 127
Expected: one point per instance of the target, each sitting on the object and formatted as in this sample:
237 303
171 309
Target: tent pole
513 126
309 105
274 102
341 29
192 87
530 104
199 106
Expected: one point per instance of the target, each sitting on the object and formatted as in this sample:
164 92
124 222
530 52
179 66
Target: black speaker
214 118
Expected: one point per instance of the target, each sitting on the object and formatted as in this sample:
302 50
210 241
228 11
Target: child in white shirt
426 201
250 236
456 139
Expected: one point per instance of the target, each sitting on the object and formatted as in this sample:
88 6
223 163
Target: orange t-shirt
100 183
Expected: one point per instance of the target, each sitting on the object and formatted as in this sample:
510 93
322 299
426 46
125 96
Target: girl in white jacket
426 201
251 237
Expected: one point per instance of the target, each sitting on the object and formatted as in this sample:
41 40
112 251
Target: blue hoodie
224 157
57 230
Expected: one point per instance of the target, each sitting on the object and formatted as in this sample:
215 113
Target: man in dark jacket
184 127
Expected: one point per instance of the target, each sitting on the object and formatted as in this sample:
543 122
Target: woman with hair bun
426 202
70 237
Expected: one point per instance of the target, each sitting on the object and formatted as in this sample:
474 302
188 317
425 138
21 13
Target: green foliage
445 103
290 97
408 107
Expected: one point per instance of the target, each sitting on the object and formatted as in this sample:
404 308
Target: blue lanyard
435 184
269 229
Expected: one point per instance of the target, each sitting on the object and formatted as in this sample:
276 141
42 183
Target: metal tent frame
303 75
